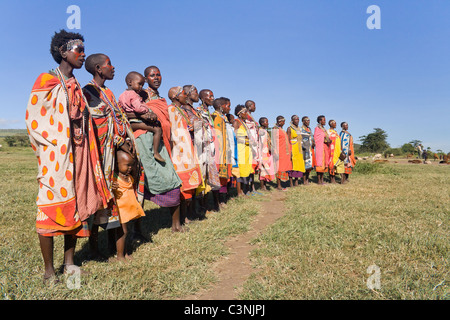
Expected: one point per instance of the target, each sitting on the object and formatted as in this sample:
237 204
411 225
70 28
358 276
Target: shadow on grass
141 231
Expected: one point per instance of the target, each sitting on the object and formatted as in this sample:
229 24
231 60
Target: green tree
375 141
408 148
415 143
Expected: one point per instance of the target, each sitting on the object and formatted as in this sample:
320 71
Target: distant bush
395 151
17 141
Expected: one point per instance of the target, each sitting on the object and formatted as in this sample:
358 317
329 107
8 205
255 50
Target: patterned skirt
282 175
81 232
167 199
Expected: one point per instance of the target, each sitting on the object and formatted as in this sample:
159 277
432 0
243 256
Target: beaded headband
71 45
242 110
179 91
191 89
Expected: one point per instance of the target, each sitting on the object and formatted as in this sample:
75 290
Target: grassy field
394 216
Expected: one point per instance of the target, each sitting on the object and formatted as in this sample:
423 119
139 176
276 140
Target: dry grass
392 216
396 217
170 266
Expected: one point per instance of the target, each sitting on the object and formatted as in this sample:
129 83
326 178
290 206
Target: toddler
131 102
124 192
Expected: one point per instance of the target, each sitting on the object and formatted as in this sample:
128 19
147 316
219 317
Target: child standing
129 207
131 102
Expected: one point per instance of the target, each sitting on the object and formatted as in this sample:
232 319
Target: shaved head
94 60
174 91
203 93
207 97
250 105
148 69
220 102
133 75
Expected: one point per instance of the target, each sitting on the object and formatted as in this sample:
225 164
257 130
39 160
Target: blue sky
304 57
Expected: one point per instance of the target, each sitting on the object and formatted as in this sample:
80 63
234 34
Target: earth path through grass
234 269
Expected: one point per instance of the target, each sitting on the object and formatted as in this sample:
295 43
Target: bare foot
222 205
118 259
51 279
180 229
158 157
128 257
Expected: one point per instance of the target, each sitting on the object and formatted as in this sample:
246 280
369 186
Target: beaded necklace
296 129
78 135
205 112
220 114
243 124
306 129
114 108
152 94
184 115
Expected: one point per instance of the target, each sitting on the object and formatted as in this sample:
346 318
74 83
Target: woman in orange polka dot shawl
71 183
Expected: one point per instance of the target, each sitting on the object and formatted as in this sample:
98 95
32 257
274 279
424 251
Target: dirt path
235 268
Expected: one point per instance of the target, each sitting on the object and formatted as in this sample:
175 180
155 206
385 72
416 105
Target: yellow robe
245 156
336 165
298 164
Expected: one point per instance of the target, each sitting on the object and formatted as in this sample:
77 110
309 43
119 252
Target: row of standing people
100 157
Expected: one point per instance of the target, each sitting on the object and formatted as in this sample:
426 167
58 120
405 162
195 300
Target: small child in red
131 102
